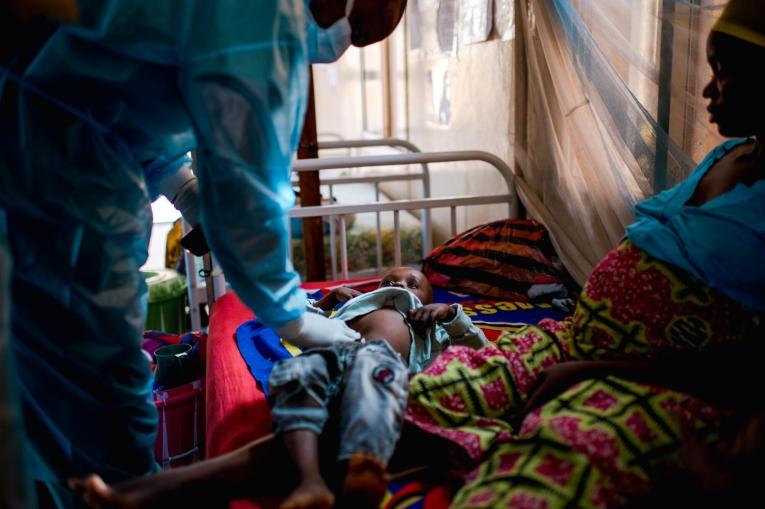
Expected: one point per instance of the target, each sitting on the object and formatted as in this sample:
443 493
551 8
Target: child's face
411 280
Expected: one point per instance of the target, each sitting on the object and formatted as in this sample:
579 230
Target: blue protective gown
86 111
15 488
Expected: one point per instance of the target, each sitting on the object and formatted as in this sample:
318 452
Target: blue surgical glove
312 330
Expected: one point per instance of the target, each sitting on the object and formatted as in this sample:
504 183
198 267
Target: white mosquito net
615 112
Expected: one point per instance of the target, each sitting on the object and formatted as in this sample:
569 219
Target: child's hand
422 318
343 294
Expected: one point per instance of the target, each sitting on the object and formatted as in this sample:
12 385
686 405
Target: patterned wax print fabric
600 441
503 260
598 445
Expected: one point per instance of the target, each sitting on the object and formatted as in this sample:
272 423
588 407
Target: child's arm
463 331
455 322
337 295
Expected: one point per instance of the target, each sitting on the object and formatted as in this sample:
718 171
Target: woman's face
736 91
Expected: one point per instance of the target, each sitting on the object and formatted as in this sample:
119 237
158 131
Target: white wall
441 100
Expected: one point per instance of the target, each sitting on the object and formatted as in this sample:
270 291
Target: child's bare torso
384 323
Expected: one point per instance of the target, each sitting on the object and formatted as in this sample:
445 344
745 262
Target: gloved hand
312 329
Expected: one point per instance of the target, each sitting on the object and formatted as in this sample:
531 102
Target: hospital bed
236 408
208 281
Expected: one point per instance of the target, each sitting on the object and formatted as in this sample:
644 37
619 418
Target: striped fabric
502 260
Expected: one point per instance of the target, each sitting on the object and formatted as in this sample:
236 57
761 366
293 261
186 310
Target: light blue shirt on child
422 350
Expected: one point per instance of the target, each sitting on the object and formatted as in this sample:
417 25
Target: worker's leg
261 468
77 320
15 485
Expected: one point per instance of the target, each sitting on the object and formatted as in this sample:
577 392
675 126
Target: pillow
511 259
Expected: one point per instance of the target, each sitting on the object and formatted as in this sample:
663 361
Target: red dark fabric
236 410
363 285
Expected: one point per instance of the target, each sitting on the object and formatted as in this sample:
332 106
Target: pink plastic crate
180 436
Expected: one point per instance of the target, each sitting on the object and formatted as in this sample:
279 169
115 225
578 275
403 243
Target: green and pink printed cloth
601 442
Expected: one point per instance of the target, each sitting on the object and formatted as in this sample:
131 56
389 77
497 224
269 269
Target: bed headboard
201 293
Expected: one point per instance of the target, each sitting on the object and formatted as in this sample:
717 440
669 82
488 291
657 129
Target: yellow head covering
743 19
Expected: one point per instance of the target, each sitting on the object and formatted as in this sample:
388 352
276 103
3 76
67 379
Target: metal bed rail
396 207
331 182
215 279
425 204
377 142
330 163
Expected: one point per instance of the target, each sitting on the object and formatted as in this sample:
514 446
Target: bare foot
365 483
99 495
311 494
144 493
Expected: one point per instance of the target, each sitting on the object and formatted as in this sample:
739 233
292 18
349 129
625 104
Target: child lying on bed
402 331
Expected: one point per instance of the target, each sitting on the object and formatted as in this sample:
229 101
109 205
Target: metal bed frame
214 282
375 180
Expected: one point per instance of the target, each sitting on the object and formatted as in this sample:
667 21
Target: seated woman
657 343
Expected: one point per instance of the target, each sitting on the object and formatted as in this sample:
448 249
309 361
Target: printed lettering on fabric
490 307
383 374
502 313
481 310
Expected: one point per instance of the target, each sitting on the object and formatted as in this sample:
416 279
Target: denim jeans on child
371 380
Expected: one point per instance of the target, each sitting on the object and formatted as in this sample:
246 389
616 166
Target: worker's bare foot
145 493
100 495
365 483
311 494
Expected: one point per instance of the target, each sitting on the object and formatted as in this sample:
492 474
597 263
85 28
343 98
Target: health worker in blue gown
87 109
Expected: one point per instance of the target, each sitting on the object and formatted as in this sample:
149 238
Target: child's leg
299 392
312 492
372 412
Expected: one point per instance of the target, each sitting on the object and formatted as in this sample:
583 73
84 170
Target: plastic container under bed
180 435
